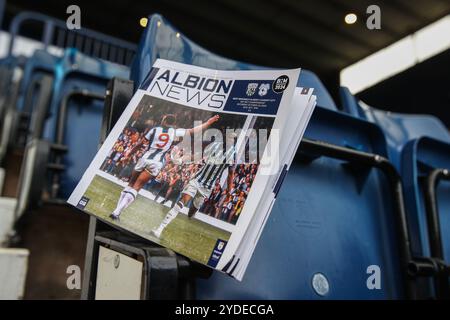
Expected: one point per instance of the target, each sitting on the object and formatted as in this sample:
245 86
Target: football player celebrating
200 187
159 140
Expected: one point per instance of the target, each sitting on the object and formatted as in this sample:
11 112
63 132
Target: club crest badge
263 89
251 89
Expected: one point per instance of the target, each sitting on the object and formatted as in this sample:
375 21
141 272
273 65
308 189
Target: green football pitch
190 237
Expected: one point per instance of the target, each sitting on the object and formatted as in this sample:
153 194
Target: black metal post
118 94
441 279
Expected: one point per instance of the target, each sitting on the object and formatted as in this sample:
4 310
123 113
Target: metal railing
55 33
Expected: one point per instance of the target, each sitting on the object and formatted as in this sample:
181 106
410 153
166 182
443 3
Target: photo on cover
187 201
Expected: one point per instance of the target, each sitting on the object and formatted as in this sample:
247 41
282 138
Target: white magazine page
259 225
248 252
143 180
266 206
255 231
297 110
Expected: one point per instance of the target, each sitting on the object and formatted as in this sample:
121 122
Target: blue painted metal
398 128
10 63
84 118
329 218
419 157
417 144
41 62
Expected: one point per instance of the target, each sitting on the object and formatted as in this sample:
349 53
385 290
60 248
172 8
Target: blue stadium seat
318 225
41 62
33 91
77 72
7 65
329 219
56 160
418 144
421 156
398 128
19 125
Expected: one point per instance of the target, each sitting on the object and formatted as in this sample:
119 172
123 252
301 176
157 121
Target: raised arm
204 125
230 177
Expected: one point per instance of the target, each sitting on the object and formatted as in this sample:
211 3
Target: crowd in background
224 203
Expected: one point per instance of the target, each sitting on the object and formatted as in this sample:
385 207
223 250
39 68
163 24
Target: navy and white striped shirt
216 162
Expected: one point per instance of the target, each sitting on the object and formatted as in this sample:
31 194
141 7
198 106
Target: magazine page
187 162
301 109
249 243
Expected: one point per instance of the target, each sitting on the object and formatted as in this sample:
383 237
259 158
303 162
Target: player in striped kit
200 187
159 140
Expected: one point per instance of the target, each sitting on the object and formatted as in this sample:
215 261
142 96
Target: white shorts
197 191
151 166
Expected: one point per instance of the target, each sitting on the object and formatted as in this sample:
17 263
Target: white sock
122 194
172 214
129 195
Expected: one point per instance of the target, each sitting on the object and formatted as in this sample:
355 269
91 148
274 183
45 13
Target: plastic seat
329 219
77 72
34 91
418 144
41 62
420 157
398 128
71 129
317 226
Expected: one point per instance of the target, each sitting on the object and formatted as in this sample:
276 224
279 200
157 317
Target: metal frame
166 275
49 159
319 148
118 94
92 43
441 271
434 230
56 165
7 114
22 124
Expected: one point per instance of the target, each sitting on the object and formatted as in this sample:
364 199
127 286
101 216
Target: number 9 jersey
160 140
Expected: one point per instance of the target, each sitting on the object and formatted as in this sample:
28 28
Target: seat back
55 161
418 144
331 221
34 93
79 84
398 128
420 157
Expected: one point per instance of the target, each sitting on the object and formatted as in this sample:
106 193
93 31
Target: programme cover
187 162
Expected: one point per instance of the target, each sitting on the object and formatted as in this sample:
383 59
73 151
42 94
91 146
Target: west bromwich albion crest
251 89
